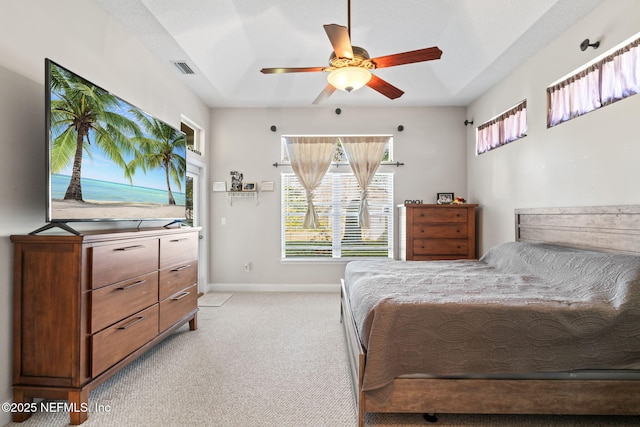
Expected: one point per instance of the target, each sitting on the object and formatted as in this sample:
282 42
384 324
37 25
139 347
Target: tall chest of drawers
86 306
437 232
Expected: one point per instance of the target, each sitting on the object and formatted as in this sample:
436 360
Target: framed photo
249 186
219 186
267 186
444 198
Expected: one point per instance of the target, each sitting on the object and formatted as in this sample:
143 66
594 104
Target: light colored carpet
213 299
262 359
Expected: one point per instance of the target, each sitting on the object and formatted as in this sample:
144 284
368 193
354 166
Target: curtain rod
396 164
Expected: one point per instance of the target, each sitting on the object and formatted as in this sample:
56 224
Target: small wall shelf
231 195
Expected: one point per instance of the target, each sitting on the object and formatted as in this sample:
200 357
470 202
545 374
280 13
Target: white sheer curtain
507 127
310 159
611 79
574 97
621 73
365 155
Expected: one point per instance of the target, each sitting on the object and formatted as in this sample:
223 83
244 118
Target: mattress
521 309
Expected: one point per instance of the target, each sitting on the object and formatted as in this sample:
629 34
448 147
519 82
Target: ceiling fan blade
291 70
420 55
326 93
385 88
339 38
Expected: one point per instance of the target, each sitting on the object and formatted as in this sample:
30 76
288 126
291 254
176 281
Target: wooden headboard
602 228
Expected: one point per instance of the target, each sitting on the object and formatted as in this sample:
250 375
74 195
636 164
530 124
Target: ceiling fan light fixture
349 78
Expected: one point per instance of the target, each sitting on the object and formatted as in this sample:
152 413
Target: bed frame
603 228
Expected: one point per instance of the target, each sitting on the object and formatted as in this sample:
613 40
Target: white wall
590 160
432 146
80 36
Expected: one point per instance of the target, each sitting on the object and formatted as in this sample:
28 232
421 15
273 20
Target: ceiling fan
350 66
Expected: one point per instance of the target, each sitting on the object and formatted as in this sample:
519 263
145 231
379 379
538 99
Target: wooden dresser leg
193 323
79 400
20 397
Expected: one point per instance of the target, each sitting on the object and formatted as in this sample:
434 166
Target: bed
547 324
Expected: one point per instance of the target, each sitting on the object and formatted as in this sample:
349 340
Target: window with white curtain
337 202
611 77
502 129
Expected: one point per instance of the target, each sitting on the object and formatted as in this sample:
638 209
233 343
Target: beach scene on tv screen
108 159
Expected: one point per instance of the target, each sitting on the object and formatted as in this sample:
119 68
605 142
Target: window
610 78
194 135
337 201
503 129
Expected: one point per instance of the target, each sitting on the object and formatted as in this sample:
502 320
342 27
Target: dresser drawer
178 249
178 277
121 261
441 247
112 303
114 343
178 306
440 231
439 214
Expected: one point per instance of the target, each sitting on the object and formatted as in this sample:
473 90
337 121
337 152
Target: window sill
327 260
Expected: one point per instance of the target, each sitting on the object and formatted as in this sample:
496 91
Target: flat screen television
107 159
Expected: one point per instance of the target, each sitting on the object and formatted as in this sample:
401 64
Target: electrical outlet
247 266
223 221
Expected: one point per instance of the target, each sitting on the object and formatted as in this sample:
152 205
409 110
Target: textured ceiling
227 42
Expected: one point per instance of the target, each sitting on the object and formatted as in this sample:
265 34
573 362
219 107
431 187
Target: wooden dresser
431 232
86 306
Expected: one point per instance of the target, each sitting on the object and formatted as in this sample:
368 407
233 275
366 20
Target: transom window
502 129
612 76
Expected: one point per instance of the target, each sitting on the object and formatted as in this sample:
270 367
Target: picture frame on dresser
444 198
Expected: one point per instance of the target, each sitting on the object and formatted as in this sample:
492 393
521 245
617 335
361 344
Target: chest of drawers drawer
440 231
178 249
176 278
113 263
115 302
441 247
121 339
439 215
174 307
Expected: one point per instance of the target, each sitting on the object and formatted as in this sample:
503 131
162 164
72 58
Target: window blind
338 234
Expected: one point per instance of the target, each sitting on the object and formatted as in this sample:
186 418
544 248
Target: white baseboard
270 287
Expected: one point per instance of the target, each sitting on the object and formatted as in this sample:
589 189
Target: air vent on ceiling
183 67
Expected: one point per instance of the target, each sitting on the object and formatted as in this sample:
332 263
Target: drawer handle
133 322
178 240
179 297
133 285
182 267
130 248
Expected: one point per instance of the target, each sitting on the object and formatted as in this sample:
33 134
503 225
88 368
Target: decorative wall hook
585 44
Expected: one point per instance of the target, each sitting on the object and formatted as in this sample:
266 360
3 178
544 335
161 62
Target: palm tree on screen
161 149
78 110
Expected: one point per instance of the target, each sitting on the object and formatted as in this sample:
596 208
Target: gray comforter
521 308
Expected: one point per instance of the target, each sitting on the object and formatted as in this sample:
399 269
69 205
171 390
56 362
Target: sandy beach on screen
72 209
